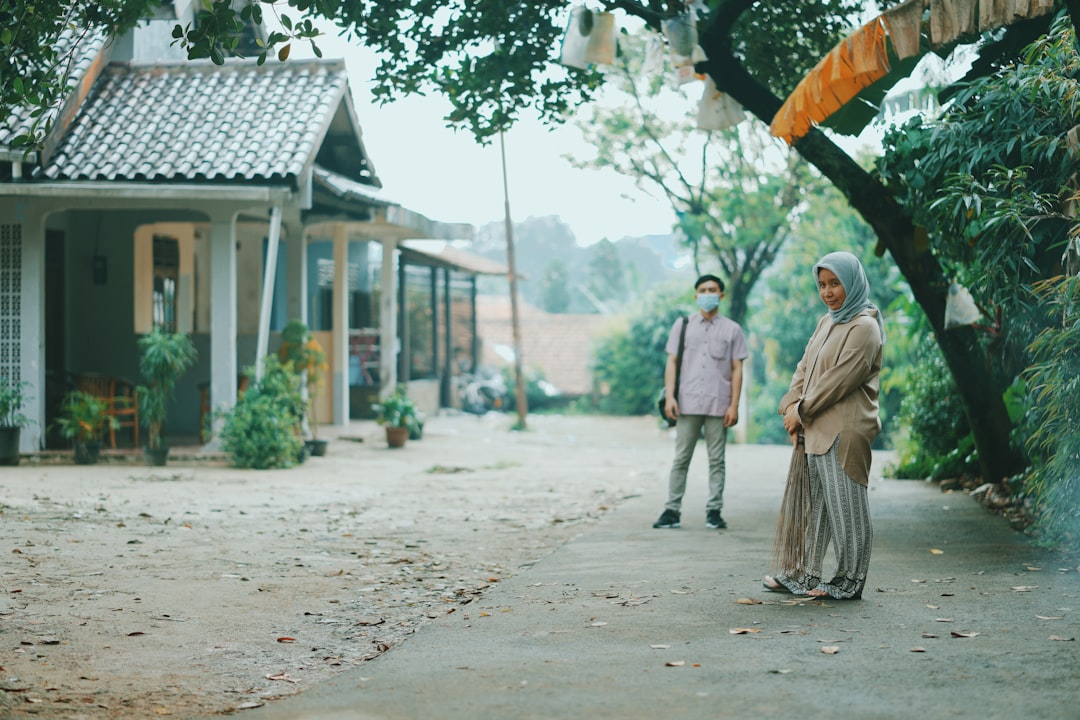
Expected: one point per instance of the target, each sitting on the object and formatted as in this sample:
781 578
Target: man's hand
671 408
731 417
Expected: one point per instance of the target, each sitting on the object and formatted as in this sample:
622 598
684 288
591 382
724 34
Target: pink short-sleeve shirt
705 379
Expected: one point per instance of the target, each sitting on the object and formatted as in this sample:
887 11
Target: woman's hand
791 422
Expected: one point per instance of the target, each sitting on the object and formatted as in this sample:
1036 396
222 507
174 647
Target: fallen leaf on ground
956 634
675 663
597 624
783 671
830 649
659 647
747 601
943 620
1032 568
1050 617
286 640
918 581
743 631
935 551
281 676
929 635
1025 588
249 705
917 649
1062 639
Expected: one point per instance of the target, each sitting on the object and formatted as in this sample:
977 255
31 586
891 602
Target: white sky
449 177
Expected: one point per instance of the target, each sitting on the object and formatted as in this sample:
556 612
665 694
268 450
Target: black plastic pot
9 445
156 457
87 453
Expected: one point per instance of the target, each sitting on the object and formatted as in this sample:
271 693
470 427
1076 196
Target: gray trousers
687 432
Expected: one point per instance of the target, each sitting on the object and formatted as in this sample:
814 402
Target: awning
443 255
387 217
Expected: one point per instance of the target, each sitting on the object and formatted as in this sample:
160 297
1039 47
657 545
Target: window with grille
10 302
166 278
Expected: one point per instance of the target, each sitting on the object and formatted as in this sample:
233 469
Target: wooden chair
121 399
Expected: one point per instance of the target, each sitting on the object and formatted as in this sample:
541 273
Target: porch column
223 321
340 350
296 272
388 326
30 329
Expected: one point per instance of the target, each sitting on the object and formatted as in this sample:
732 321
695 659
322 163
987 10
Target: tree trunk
982 398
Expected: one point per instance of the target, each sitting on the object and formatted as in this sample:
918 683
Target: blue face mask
708 301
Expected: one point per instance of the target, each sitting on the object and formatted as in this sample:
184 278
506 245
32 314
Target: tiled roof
559 345
71 48
198 122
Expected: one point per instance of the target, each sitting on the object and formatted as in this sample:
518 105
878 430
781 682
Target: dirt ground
196 589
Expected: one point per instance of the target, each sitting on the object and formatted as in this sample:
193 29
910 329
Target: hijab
849 271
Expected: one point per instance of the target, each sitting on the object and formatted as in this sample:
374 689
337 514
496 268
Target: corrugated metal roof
198 122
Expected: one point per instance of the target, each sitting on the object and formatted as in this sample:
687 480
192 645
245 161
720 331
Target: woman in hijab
832 407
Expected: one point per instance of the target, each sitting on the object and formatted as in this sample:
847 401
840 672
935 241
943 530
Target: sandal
773 585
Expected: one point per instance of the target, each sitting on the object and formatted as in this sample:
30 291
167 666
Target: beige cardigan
835 386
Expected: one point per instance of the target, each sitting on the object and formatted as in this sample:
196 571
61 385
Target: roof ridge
230 65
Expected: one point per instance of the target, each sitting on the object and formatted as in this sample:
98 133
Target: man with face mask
710 381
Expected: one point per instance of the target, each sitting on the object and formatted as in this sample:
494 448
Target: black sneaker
668 519
713 520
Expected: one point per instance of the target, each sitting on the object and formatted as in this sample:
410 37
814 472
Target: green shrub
263 430
540 394
628 364
938 441
1052 481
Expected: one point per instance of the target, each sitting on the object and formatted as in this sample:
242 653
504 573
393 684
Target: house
558 345
220 202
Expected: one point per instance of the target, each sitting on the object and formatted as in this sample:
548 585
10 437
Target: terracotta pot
396 436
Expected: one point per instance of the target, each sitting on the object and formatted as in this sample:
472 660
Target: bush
628 364
540 394
1052 481
939 443
263 430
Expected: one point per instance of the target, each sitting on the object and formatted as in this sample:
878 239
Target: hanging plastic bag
654 56
681 33
589 39
960 307
717 110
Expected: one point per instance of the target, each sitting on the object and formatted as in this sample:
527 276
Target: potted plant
400 417
165 357
299 347
13 399
263 429
83 419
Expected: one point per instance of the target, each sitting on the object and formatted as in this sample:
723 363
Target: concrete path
961 619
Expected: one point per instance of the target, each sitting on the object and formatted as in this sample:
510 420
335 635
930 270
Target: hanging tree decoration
589 39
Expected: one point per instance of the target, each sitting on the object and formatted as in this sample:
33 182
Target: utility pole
519 363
